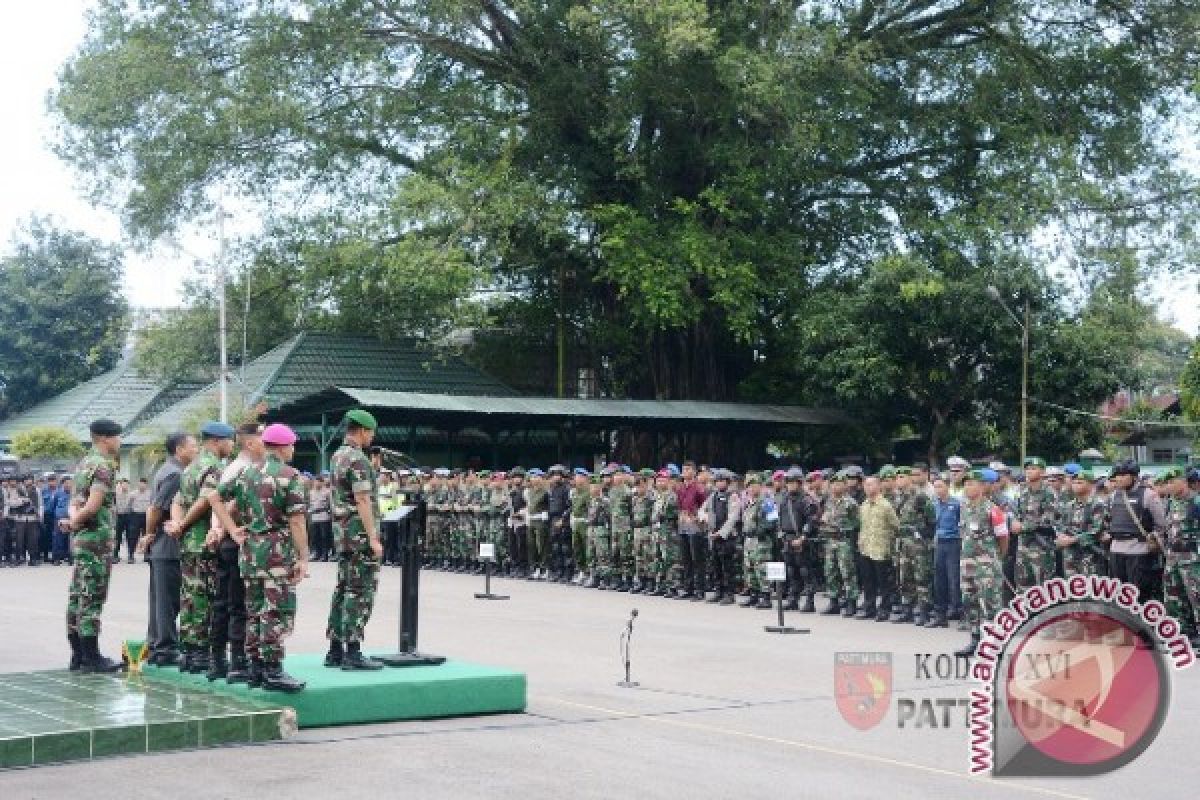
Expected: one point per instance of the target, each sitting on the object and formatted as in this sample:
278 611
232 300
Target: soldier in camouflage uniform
437 509
198 550
839 528
1038 521
914 561
643 540
580 497
664 530
1182 579
92 520
474 492
459 522
760 525
356 508
495 503
620 500
983 528
1083 516
600 535
271 502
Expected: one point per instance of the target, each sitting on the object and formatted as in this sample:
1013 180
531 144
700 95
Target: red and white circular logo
1082 691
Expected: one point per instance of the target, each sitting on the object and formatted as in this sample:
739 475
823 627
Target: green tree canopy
61 312
46 442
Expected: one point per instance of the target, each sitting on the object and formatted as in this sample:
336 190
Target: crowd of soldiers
898 545
227 541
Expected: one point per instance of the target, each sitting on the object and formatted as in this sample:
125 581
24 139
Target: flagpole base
490 596
784 629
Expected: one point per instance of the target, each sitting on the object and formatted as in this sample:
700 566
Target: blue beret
990 475
581 471
217 430
674 470
1072 468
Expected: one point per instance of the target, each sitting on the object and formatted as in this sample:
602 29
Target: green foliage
1189 384
680 184
46 442
61 313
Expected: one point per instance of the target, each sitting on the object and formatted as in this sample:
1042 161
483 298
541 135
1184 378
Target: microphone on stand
626 636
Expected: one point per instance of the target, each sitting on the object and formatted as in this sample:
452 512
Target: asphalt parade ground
723 709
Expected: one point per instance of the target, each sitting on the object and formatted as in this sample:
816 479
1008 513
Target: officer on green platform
356 509
92 520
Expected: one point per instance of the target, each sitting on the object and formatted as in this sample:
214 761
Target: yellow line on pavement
818 748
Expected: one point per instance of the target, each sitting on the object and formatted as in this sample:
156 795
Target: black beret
104 427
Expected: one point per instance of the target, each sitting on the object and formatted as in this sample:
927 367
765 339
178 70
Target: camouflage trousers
623 556
434 544
579 543
643 552
914 571
757 552
1079 560
667 567
1034 565
1182 585
270 615
89 583
982 579
539 545
198 586
353 597
841 576
496 534
459 536
601 540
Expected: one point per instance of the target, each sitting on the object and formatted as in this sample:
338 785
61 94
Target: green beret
976 475
838 476
886 473
1085 475
753 478
1169 474
904 471
484 473
646 472
1034 461
362 419
597 480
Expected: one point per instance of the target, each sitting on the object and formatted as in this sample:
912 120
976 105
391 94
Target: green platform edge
333 697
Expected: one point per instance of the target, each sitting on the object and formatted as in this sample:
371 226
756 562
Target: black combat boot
335 655
76 652
355 661
714 597
833 608
218 665
849 608
623 586
905 615
659 590
256 674
749 601
638 586
726 599
239 666
882 615
185 659
792 603
810 605
274 679
200 662
969 650
764 601
590 583
867 611
937 620
921 617
91 661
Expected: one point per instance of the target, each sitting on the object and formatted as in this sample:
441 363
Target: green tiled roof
120 394
311 362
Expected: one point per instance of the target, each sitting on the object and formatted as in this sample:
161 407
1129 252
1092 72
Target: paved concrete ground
724 709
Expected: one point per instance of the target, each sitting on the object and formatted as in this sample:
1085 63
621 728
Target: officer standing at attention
983 528
1037 524
1137 521
274 553
92 518
356 507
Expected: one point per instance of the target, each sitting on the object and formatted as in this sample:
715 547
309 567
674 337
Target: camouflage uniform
474 494
437 529
92 546
600 535
643 539
495 501
620 499
914 559
1085 520
980 568
580 498
838 527
198 563
759 527
353 600
1041 521
664 526
267 496
1183 561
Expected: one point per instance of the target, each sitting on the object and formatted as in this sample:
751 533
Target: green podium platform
334 697
56 716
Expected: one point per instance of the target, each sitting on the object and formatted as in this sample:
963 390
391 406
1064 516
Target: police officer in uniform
1136 524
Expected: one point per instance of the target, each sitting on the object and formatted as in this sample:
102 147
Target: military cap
536 473
853 471
628 470
753 478
484 473
838 476
886 473
557 469
976 475
1072 468
1055 472
999 466
1193 474
674 470
442 472
498 476
1126 467
663 473
1034 461
582 471
1170 474
278 435
646 472
904 471
104 427
217 430
608 471
816 474
1085 475
957 463
597 479
363 419
517 472
778 475
794 474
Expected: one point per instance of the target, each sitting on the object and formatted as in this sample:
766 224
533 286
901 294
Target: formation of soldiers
241 527
870 542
